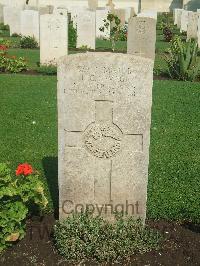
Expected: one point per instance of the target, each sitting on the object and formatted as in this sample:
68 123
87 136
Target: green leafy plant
5 42
81 237
28 42
72 35
16 35
17 194
182 60
47 70
113 24
168 34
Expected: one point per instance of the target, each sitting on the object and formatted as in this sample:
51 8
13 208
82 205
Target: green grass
29 134
29 123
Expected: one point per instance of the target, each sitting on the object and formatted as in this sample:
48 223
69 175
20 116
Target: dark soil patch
181 246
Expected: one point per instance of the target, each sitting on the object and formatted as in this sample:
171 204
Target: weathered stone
61 11
53 38
1 13
121 14
104 117
30 24
148 14
129 12
86 29
141 36
192 25
101 15
11 17
184 20
177 17
93 4
198 33
46 10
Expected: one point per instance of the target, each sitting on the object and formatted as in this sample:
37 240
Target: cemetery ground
29 134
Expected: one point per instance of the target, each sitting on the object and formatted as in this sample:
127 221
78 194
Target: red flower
24 169
3 47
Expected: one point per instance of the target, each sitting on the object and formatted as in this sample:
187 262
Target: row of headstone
189 22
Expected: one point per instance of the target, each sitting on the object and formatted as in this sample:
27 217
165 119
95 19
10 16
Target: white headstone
177 17
148 14
184 20
11 17
53 38
104 118
101 15
86 29
30 24
1 13
198 33
141 36
192 26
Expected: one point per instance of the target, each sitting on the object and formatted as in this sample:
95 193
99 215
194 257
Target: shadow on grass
50 165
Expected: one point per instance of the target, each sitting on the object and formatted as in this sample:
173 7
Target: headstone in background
104 118
148 14
184 20
141 36
121 14
93 4
192 25
198 32
46 10
110 5
129 12
75 11
11 17
101 15
53 38
86 29
1 13
60 11
30 24
177 16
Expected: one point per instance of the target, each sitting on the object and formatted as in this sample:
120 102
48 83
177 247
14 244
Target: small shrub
5 42
17 194
112 23
82 237
4 27
47 70
16 35
72 35
28 42
168 34
182 60
11 63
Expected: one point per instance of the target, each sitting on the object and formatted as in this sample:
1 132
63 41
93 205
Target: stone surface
198 33
61 11
53 38
129 12
1 13
93 4
141 36
30 24
121 13
104 117
46 10
11 17
184 20
192 25
101 15
86 29
148 14
177 16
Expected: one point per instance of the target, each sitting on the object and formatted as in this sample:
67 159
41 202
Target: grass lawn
29 134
